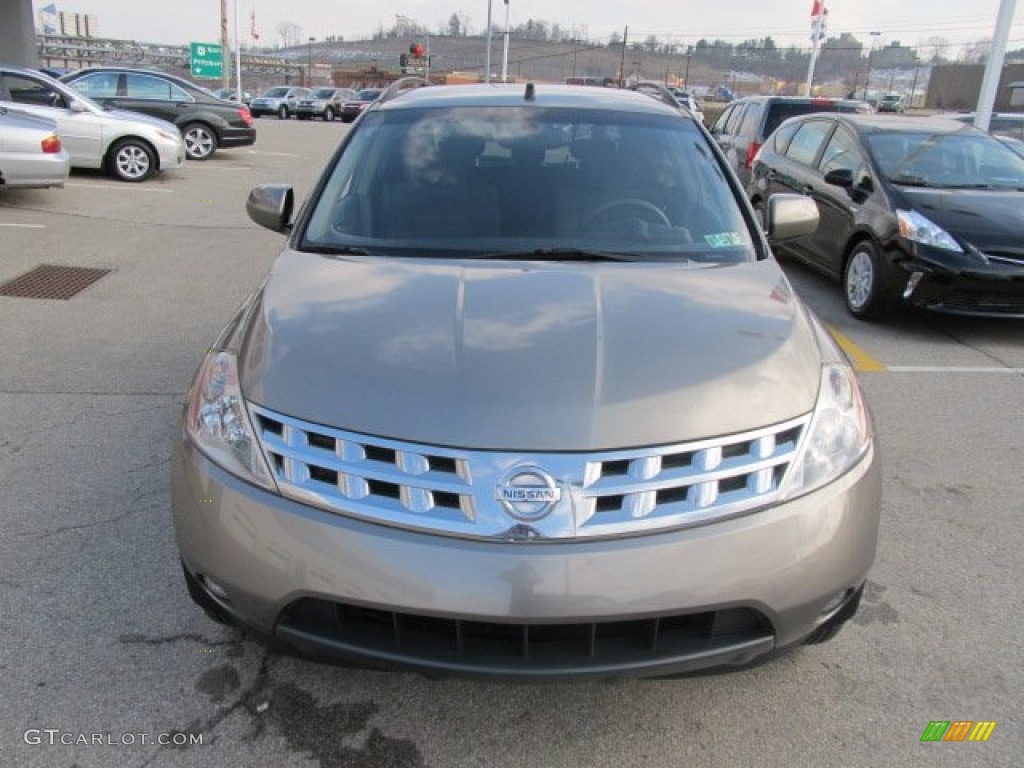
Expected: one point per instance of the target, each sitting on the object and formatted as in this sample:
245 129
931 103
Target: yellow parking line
862 361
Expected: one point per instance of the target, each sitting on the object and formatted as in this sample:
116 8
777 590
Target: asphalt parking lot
105 656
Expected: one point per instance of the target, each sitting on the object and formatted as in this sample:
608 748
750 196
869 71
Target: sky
685 21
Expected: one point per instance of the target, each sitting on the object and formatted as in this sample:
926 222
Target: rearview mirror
270 206
790 216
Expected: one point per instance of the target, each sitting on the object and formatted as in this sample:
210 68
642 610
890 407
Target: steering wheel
631 208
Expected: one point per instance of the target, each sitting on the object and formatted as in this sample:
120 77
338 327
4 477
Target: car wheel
867 295
282 112
329 115
131 160
200 141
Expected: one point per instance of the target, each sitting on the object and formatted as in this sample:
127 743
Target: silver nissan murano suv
526 395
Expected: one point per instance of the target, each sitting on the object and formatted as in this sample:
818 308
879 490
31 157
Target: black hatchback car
924 210
206 122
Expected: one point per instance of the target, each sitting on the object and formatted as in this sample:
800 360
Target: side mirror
270 206
77 106
790 216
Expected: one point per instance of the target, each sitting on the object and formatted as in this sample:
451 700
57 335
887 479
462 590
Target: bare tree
935 49
978 51
454 25
290 33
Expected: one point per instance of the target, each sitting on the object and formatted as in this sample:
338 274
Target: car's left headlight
838 435
921 229
218 421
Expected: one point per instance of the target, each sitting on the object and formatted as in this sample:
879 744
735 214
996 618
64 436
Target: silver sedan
31 154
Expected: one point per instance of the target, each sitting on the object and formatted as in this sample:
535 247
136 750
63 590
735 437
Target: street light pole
867 75
487 55
238 59
686 75
504 58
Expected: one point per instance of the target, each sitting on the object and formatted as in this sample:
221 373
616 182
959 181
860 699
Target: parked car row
129 146
206 122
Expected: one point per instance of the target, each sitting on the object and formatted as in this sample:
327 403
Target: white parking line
23 226
219 168
272 154
125 187
953 369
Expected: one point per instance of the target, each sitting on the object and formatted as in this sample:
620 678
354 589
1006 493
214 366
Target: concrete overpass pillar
18 34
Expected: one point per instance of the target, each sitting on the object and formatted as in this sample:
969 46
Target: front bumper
987 290
172 154
719 594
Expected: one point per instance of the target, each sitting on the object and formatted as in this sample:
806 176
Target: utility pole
622 61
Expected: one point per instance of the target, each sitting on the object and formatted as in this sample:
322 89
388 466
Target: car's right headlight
837 437
218 421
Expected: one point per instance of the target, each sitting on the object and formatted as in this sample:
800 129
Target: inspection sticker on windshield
724 240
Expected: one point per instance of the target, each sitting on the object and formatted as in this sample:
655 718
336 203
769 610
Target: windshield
276 93
368 94
323 93
521 180
966 158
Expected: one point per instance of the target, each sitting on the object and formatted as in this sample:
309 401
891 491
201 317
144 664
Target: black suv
745 124
206 122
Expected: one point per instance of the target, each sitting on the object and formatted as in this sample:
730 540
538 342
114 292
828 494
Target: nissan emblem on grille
528 493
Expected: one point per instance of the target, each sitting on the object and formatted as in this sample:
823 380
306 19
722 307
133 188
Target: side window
735 119
751 121
841 151
102 85
145 87
807 141
25 90
784 135
722 120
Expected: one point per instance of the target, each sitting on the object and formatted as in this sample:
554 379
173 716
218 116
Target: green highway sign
206 60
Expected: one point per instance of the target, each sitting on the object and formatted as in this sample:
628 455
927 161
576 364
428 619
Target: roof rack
402 85
656 90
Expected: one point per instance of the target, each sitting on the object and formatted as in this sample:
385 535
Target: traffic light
417 50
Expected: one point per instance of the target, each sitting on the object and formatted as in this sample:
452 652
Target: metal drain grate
51 282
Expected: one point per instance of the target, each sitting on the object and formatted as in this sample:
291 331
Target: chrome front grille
452 491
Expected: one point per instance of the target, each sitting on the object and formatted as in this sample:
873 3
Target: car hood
539 356
984 218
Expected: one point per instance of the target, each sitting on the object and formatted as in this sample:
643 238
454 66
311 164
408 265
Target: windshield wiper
558 254
337 250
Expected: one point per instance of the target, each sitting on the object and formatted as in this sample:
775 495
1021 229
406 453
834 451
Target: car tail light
51 144
752 149
246 115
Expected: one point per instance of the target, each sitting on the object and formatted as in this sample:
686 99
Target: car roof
530 95
798 100
876 123
75 74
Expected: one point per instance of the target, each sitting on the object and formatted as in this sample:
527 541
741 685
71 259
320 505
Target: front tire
329 115
131 160
282 112
864 284
200 141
